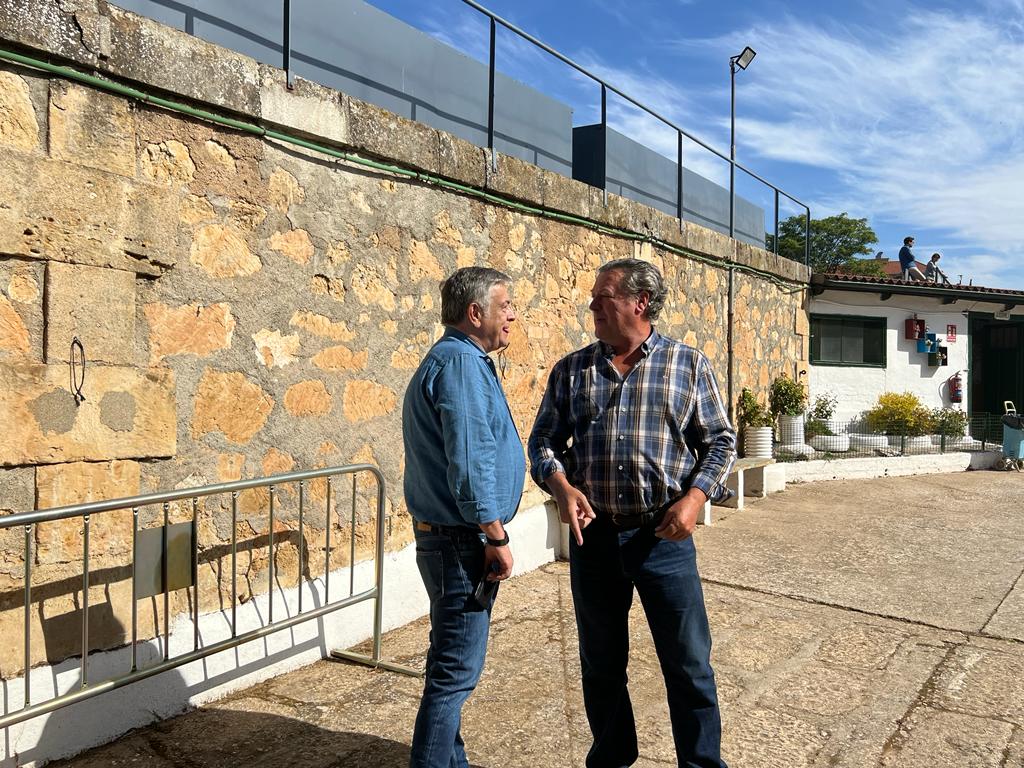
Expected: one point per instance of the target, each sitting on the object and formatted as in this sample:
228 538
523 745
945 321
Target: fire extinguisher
956 388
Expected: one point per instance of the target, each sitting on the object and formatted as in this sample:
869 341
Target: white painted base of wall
895 466
537 538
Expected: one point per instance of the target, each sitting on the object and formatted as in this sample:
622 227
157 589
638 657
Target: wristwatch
497 542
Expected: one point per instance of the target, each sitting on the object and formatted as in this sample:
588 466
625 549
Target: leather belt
652 516
448 530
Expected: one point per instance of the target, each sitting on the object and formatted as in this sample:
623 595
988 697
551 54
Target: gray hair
638 277
469 285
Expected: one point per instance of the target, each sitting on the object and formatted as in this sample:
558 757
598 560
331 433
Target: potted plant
756 422
950 427
903 418
820 430
788 399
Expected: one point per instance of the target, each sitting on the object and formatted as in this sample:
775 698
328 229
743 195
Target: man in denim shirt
631 439
464 472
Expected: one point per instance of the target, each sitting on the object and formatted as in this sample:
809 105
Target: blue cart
1013 433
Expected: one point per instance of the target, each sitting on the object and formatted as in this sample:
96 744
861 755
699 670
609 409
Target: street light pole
732 146
741 61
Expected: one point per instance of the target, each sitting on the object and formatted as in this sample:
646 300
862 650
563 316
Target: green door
996 367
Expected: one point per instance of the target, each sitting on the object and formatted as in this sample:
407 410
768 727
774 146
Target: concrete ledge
766 479
898 466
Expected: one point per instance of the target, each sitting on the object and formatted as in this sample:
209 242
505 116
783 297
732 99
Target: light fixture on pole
742 61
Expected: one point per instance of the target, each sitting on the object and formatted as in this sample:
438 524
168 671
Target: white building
862 344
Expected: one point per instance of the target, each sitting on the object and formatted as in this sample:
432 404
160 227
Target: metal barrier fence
495 20
802 440
174 551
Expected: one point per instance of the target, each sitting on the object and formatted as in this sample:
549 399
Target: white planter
831 443
862 442
918 443
757 442
791 429
794 449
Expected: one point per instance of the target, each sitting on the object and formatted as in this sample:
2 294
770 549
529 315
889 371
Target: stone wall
248 307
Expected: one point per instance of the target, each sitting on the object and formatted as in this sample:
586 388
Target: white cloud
922 122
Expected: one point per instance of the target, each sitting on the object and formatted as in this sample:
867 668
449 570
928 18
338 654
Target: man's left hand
681 518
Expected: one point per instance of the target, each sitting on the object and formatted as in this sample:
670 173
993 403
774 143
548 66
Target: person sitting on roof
907 261
932 271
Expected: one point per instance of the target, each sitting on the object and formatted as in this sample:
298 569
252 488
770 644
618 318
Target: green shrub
787 397
816 427
900 414
823 408
751 413
949 422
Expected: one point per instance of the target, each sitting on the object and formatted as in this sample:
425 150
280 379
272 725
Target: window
845 340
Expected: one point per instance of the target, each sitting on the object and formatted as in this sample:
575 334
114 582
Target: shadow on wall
164 695
57 609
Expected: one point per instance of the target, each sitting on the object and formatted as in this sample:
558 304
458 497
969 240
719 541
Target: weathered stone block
462 161
365 400
19 127
567 195
308 398
127 413
284 190
223 252
96 305
110 533
188 330
309 109
232 404
377 131
340 358
274 350
46 25
181 63
319 325
92 128
517 179
295 244
64 212
14 337
17 494
709 243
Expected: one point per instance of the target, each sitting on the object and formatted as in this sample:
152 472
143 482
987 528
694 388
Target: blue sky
908 114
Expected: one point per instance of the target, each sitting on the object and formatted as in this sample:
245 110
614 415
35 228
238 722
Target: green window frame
848 340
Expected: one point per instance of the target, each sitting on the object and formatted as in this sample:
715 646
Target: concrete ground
856 623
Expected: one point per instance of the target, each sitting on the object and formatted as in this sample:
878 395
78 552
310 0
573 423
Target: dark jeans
604 572
451 566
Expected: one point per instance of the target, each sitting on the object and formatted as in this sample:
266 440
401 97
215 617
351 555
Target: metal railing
494 21
152 582
833 439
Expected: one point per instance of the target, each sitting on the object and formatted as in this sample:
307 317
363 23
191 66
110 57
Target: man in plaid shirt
650 443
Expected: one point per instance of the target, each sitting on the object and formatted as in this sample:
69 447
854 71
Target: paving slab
945 550
830 676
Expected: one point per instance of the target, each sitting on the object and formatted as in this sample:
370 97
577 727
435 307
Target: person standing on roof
907 261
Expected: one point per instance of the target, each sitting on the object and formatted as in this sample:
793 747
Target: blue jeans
603 573
451 566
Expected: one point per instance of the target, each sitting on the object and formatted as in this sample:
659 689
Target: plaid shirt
640 440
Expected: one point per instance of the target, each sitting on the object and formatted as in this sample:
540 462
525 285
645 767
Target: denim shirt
464 461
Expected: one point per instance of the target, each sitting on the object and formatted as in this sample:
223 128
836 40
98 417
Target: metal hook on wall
77 382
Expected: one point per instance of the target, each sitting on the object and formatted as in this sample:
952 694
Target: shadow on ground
239 739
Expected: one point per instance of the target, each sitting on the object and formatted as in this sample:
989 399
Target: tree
836 242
